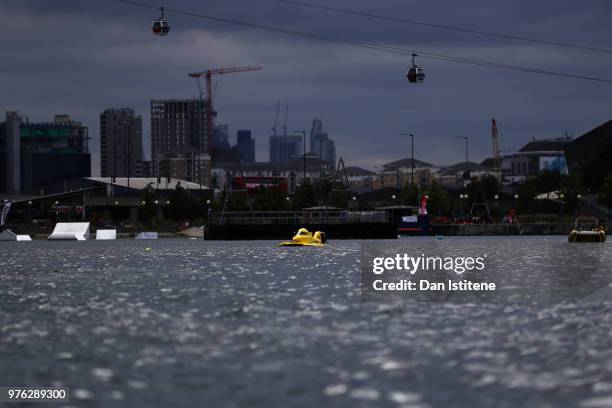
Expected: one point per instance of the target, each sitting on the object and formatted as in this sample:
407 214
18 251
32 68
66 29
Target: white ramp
78 231
106 234
8 235
147 235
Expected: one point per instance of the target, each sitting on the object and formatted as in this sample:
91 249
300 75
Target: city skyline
362 95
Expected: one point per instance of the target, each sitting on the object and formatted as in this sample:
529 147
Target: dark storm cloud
80 57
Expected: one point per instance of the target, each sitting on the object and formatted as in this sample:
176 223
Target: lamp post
516 196
411 156
467 169
303 132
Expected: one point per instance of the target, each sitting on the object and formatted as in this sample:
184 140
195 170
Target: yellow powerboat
587 229
306 238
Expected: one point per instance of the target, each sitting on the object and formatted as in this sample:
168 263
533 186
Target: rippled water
242 324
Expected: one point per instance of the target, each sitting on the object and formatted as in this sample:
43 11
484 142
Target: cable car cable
373 46
446 27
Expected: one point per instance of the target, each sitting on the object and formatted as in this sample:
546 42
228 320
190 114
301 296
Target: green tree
409 195
305 196
439 200
182 205
604 194
339 198
147 211
270 199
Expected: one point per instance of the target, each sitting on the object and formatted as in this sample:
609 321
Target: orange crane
210 113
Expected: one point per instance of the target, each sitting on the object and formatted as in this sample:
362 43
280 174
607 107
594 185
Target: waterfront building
186 164
246 146
291 171
120 143
360 180
538 156
41 154
286 148
177 124
399 173
453 176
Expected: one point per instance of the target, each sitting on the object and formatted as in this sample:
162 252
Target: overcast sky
80 57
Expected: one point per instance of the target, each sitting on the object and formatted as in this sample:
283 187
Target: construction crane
496 159
210 113
276 119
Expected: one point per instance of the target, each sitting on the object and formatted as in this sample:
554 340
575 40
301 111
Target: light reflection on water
193 323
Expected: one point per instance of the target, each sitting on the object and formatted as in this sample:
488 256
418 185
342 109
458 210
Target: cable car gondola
161 26
415 73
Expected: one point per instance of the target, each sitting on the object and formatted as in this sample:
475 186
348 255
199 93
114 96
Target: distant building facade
246 146
291 171
399 173
540 155
320 143
221 139
286 148
186 164
121 151
38 155
177 125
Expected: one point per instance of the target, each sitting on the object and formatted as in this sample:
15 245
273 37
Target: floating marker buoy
147 249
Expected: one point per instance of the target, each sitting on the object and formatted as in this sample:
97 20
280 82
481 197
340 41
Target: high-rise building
221 139
176 125
120 143
42 154
286 148
328 152
321 145
246 146
317 128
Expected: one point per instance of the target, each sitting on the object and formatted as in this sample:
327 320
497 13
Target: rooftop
405 163
358 171
549 145
470 165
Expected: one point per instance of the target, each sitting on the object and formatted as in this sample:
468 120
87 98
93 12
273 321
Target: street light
393 197
303 132
156 202
467 170
411 156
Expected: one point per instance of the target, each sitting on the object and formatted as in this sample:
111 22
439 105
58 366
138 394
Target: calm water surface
245 324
